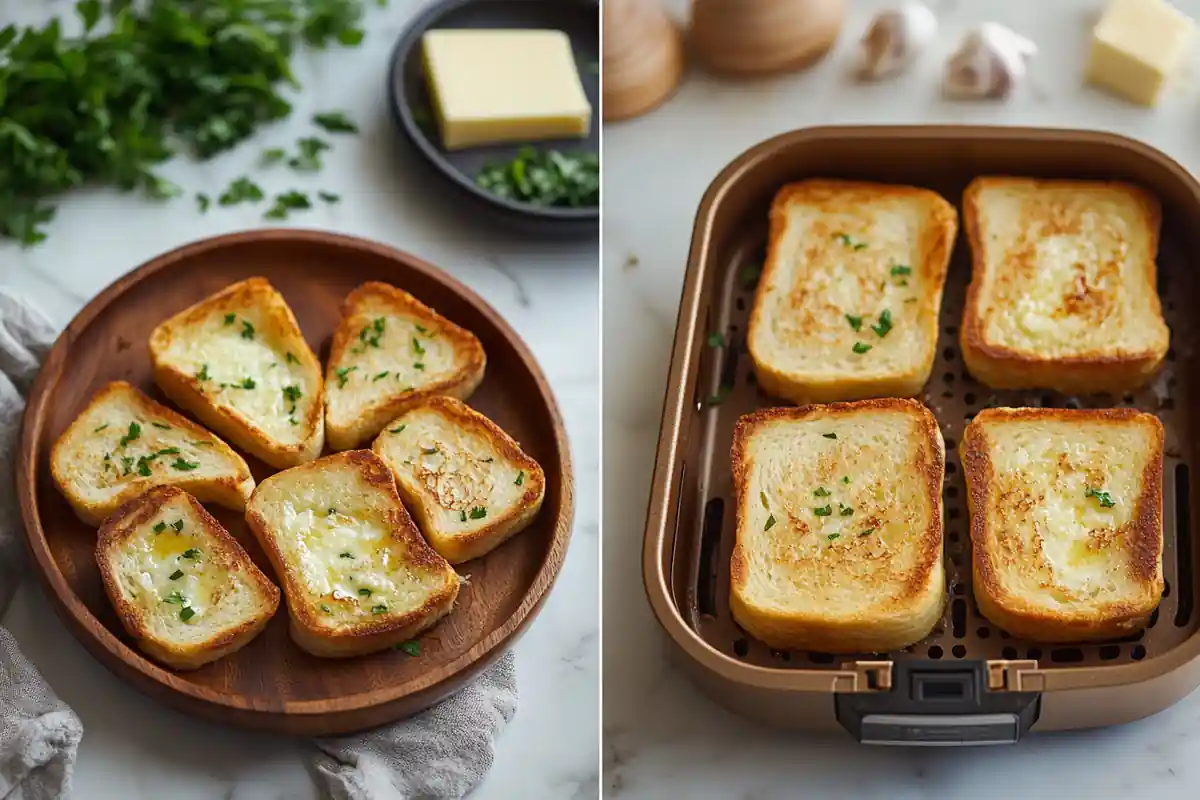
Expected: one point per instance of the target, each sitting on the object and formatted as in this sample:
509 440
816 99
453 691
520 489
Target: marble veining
662 737
135 748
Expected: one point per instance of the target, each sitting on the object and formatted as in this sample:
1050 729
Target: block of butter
492 86
1137 46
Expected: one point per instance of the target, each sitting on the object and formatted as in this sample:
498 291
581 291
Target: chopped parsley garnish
342 375
127 464
242 190
370 334
478 512
309 157
547 178
845 510
848 242
762 496
202 202
364 592
867 532
520 478
135 431
186 613
334 122
380 375
203 373
167 451
143 466
749 274
417 348
329 197
821 492
1102 497
229 318
291 359
845 479
861 347
463 516
247 330
184 465
379 609
429 450
177 525
901 270
174 598
191 554
102 427
398 428
829 435
855 322
272 155
345 555
419 366
823 511
176 575
487 460
288 201
326 609
161 426
412 648
160 527
833 536
770 523
292 393
247 383
421 328
292 420
885 323
716 340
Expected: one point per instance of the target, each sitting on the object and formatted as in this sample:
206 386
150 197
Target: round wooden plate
271 684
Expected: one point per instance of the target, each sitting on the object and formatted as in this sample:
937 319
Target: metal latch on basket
943 703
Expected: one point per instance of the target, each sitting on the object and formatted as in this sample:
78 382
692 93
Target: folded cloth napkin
442 753
39 734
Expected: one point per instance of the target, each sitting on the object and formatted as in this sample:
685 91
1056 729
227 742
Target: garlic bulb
990 62
894 39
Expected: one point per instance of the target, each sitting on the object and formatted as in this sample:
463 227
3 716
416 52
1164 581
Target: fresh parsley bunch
144 81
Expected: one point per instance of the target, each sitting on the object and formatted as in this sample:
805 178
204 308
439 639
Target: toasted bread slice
123 443
357 574
848 301
1066 520
182 586
238 361
468 483
839 526
389 352
1063 290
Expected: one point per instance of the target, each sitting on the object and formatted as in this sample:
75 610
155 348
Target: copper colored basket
968 682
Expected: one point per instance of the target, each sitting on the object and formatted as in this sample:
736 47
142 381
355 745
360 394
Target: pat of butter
492 86
1137 46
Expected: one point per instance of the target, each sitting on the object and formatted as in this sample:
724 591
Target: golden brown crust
817 631
187 391
230 491
376 633
1015 614
224 551
937 242
466 546
372 420
1002 367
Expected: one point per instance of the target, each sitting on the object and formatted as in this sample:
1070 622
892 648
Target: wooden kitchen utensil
764 36
642 57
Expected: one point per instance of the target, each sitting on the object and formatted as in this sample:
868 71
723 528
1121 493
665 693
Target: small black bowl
412 110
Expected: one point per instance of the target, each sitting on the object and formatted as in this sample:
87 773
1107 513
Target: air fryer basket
968 682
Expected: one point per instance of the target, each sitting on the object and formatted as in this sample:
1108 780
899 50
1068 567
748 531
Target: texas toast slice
238 361
124 443
389 352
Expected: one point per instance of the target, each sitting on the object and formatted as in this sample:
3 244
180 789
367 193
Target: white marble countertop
663 738
134 747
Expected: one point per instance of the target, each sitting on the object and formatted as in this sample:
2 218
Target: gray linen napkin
39 734
442 753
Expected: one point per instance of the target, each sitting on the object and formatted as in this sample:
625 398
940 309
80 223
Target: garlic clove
894 39
989 63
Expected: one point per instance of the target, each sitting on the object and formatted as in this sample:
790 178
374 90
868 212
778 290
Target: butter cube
493 86
1137 46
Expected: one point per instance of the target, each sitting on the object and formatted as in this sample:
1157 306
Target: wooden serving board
271 684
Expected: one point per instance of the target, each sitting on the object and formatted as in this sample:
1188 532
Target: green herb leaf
823 511
345 555
186 613
326 609
176 575
308 157
135 431
203 373
716 399
822 492
770 523
462 516
287 202
845 479
229 318
343 375
102 427
364 592
334 122
1102 497
546 178
429 450
174 598
329 197
861 347
885 323
716 340
247 383
398 428
291 359
161 426
417 348
292 393
160 527
379 609
191 554
749 274
520 478
143 467
479 512
380 375
833 536
413 648
247 330
184 465
762 497
867 532
845 510
901 270
419 366
829 435
177 525
855 322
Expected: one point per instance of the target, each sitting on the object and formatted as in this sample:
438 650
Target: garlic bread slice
238 361
468 483
124 443
391 351
357 574
181 585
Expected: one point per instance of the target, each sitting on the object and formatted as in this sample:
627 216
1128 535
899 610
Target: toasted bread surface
1066 520
357 575
123 443
848 300
238 361
181 585
839 526
1063 289
390 352
469 485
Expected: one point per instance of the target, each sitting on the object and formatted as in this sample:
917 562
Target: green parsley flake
867 532
520 478
845 510
885 323
829 435
380 375
102 427
176 575
1102 497
177 525
291 359
343 375
901 270
191 554
292 394
345 555
247 383
160 527
821 492
833 536
379 609
229 318
861 347
716 340
135 431
855 322
364 592
823 511
161 426
184 465
398 428
412 648
186 613
770 523
175 598
479 512
417 348
203 373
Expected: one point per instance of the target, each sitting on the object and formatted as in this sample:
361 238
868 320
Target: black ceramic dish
580 20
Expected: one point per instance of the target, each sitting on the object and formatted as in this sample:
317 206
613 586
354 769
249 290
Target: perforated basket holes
955 398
